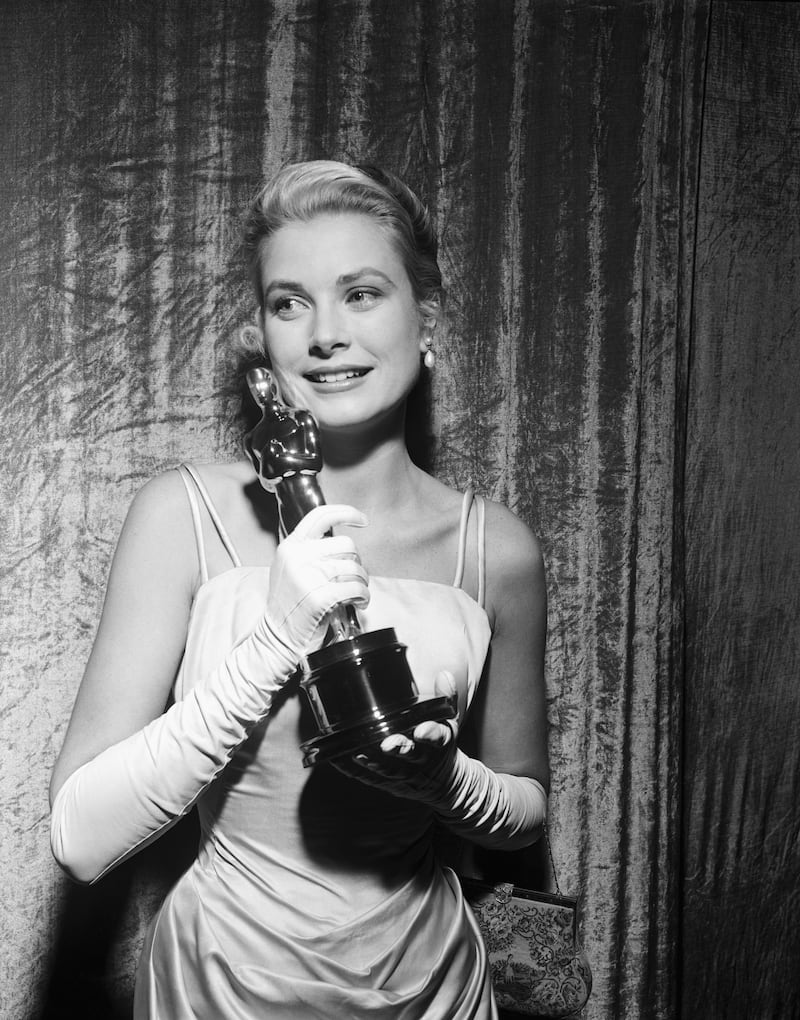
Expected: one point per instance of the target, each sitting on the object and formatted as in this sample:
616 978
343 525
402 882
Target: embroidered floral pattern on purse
538 967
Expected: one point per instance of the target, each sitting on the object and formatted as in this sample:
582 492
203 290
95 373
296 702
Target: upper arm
142 630
508 720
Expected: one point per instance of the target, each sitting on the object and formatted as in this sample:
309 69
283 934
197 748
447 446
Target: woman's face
341 324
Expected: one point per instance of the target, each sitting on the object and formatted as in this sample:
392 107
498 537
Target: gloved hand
403 762
493 809
310 574
131 792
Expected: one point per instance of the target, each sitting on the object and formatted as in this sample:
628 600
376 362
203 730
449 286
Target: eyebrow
343 281
282 285
363 271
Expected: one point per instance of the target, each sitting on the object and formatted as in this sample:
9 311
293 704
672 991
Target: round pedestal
360 691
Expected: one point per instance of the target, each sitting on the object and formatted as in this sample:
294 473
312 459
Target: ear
429 312
251 340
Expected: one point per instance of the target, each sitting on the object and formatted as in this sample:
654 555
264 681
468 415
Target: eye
287 306
363 298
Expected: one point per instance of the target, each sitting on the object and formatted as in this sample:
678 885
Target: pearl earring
430 358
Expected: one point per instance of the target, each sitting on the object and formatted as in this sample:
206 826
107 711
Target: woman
316 892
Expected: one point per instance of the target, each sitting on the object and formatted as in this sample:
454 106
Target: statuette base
360 691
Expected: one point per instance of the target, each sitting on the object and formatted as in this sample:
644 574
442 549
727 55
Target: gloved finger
349 572
317 575
351 576
322 518
397 744
342 592
332 588
330 546
434 733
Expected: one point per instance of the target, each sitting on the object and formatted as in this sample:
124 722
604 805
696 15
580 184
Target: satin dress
315 896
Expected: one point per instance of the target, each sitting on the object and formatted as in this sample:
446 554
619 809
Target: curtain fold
741 870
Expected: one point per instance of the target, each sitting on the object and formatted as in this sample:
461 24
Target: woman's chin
361 425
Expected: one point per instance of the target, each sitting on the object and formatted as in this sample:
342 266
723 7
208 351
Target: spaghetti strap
191 492
480 504
480 508
466 504
216 520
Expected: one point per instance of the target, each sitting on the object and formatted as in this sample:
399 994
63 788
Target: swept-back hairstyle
301 191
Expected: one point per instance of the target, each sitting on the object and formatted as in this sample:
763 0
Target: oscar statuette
359 685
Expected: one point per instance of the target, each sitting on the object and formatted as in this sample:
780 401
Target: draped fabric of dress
315 895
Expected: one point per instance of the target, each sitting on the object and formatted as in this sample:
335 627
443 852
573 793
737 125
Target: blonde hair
301 191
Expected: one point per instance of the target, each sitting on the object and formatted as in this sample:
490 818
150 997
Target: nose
328 334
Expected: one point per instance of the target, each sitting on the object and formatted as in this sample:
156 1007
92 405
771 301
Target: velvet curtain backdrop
616 186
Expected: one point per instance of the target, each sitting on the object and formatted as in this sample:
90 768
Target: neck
375 477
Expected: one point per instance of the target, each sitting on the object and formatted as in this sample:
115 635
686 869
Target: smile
337 377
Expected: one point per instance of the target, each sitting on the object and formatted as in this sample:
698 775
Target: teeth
329 377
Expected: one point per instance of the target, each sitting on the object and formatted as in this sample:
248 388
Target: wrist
273 647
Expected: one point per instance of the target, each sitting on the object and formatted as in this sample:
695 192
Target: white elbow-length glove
127 795
493 809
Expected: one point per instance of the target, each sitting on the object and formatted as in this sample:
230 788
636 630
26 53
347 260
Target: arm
507 723
127 772
496 795
142 629
506 730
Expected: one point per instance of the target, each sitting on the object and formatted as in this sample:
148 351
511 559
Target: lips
338 375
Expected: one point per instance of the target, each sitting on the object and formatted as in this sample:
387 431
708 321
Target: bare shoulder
226 473
158 534
245 510
509 538
514 560
161 505
226 481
